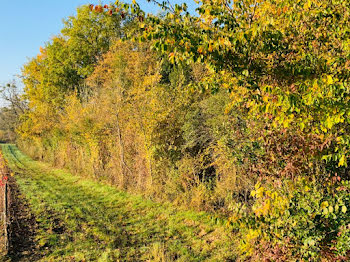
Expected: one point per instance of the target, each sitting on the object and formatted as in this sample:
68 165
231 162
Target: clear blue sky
25 25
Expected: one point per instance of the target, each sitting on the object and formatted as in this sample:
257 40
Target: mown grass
83 220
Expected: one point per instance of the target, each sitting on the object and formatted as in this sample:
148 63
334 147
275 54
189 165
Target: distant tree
10 115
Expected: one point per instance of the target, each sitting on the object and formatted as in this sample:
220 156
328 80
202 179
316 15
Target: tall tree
62 66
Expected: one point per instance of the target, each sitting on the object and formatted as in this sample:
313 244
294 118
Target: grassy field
82 220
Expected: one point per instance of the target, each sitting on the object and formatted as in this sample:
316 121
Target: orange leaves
42 53
282 10
110 10
98 9
200 50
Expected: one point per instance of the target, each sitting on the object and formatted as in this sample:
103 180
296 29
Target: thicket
241 109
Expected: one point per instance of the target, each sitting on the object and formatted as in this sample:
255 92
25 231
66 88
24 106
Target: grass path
83 220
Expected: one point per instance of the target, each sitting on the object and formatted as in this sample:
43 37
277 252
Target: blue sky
25 25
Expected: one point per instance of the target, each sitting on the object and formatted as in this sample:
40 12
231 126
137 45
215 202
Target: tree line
241 109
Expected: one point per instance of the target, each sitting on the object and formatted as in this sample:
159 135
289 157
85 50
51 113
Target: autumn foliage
242 109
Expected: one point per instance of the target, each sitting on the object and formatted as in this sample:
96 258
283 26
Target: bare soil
22 227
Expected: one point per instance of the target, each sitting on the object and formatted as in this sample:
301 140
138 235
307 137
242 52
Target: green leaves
258 45
301 212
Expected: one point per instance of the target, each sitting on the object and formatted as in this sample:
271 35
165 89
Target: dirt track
22 226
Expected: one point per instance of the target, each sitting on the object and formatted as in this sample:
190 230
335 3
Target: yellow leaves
323 129
330 209
307 4
342 161
247 246
327 208
42 54
233 219
170 41
332 120
259 192
263 209
324 204
225 85
270 203
340 140
315 86
343 209
307 188
222 41
253 234
330 80
286 122
265 98
172 57
187 46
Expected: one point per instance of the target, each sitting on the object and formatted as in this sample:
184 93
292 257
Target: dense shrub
296 220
